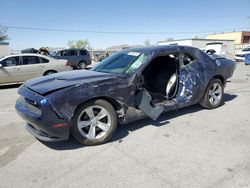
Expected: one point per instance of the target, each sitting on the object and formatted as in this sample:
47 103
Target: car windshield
121 62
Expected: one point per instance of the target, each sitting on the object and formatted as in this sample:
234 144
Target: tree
147 43
3 33
79 44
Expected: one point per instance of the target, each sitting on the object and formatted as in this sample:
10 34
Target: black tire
82 65
107 135
206 102
49 73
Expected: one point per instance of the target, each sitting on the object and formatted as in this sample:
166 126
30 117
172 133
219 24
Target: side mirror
1 66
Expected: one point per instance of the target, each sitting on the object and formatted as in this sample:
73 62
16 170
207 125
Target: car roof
26 54
163 48
72 49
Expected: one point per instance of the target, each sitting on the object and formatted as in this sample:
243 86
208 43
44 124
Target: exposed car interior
158 84
160 77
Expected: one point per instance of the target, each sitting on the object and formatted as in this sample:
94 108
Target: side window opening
63 53
83 52
43 60
30 60
71 53
10 62
186 59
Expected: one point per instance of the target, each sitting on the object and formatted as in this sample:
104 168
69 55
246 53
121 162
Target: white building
4 49
228 45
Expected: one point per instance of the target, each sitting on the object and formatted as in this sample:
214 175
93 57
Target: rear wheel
82 65
214 94
94 123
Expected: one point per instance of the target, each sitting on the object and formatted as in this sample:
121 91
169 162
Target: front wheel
94 123
214 94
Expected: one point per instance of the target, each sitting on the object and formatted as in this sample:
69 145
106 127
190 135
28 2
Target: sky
176 19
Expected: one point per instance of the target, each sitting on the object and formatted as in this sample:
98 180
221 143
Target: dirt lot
189 148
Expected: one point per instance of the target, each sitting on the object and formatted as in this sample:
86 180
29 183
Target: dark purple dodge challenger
127 86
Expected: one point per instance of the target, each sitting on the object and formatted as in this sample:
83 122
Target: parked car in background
21 67
127 86
240 56
78 58
247 59
216 48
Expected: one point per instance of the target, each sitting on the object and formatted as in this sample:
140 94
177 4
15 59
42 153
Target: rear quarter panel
194 78
225 68
58 65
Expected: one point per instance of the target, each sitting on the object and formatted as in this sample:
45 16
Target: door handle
16 68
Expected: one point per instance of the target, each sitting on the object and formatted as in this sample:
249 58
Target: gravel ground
192 147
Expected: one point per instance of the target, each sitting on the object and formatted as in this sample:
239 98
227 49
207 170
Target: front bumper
41 135
41 119
239 58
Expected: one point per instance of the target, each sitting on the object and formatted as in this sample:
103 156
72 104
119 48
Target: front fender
65 101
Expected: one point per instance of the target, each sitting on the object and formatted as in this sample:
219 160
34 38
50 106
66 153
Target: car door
72 55
9 70
84 55
31 67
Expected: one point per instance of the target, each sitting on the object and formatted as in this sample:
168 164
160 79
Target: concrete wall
228 46
180 42
4 49
201 44
236 36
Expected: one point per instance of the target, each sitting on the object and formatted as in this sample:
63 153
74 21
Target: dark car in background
127 86
78 58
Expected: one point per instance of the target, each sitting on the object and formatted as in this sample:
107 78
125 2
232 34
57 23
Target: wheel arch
116 105
220 77
217 76
51 70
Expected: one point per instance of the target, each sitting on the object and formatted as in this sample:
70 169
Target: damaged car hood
47 84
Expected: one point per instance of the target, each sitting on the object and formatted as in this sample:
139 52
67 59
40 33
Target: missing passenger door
154 84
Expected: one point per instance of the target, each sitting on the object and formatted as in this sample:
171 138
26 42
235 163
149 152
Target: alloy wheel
215 94
94 122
